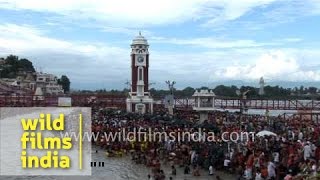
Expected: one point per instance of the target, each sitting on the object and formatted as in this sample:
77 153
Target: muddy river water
123 169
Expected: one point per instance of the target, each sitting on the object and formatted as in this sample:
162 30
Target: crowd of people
292 153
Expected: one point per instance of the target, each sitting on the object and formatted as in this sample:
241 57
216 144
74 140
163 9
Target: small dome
139 40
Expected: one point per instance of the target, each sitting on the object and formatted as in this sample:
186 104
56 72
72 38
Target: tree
188 91
13 65
312 90
253 92
26 65
11 69
204 87
12 60
65 83
223 90
301 90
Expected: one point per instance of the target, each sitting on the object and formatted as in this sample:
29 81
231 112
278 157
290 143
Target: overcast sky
194 42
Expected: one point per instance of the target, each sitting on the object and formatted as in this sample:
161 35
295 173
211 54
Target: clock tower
139 99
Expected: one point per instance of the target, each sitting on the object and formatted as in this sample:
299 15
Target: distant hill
284 84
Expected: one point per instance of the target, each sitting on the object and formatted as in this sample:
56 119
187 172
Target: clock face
140 59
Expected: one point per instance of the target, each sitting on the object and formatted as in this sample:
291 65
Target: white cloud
19 38
233 9
141 12
275 65
293 39
24 37
288 11
99 65
127 31
262 14
222 43
81 61
316 7
210 42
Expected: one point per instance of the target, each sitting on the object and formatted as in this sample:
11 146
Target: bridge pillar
204 103
203 116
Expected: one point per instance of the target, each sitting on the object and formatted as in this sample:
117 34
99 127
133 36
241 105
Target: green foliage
204 87
271 92
26 65
187 92
65 83
223 90
312 90
277 92
13 65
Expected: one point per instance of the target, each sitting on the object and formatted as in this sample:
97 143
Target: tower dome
139 40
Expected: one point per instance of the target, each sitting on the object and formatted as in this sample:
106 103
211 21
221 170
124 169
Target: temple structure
204 103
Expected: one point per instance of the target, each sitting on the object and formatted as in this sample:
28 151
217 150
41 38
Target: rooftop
204 92
139 40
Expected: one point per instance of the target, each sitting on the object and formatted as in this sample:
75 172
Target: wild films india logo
31 141
51 145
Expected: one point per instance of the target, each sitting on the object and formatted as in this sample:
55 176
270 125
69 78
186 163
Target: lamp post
243 106
170 104
128 87
149 85
170 85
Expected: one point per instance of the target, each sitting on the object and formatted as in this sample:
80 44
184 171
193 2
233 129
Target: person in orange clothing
250 161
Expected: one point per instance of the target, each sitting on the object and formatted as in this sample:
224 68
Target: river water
125 169
122 169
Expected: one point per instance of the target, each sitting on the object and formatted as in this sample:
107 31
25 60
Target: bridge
119 101
275 104
86 100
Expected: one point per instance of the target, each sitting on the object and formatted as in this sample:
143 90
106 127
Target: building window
140 74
